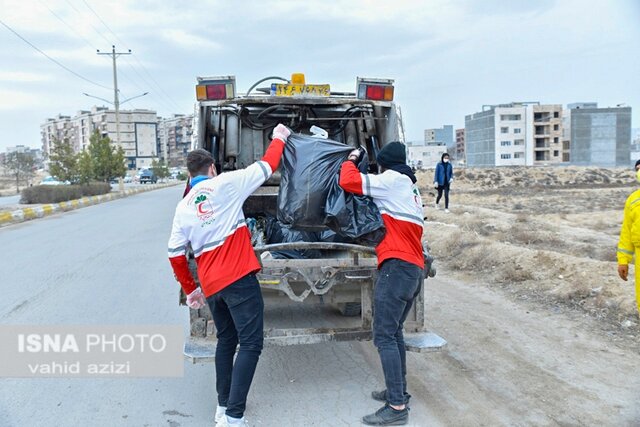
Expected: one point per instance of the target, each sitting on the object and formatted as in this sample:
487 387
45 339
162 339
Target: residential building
175 139
36 153
441 136
599 136
138 132
460 152
635 145
425 156
547 134
500 135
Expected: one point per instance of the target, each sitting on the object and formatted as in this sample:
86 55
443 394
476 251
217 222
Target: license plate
278 89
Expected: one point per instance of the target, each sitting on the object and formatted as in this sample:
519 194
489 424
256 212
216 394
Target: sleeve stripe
367 184
264 170
624 251
403 215
219 242
179 248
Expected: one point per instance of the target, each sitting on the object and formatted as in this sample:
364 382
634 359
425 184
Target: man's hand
196 299
356 155
435 184
281 132
623 271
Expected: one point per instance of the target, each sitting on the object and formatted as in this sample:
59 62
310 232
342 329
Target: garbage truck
309 292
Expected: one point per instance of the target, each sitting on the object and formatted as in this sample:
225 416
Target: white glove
435 184
355 153
196 299
281 132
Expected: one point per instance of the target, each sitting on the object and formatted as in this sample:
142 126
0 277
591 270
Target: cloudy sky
448 57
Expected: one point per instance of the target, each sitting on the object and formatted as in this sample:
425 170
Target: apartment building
440 136
500 135
425 156
460 151
547 134
138 132
175 139
598 136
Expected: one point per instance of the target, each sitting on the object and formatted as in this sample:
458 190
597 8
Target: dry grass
555 245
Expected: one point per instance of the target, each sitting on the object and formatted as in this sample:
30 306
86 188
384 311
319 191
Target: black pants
238 315
396 289
445 189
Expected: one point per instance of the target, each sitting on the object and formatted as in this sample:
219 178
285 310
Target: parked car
147 176
49 180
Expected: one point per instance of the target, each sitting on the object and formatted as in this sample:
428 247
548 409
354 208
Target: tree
63 161
20 165
85 167
159 169
108 162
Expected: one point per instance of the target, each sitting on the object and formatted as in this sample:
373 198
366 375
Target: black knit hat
637 163
392 154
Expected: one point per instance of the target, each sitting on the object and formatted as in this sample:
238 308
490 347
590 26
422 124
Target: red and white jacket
210 218
399 202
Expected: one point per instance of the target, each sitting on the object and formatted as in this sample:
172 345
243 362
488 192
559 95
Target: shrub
62 193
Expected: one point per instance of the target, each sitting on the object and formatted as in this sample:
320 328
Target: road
506 364
9 200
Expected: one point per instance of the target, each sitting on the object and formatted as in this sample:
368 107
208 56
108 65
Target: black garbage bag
354 217
309 167
277 233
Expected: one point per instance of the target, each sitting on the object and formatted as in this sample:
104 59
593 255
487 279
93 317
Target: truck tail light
375 89
214 90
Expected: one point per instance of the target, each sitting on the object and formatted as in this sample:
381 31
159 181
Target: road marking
5 217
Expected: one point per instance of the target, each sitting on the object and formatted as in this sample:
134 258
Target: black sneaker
387 416
381 396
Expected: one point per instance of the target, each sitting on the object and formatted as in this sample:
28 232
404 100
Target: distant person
400 265
629 234
210 219
442 180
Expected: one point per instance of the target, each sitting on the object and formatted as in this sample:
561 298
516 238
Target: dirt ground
519 363
542 234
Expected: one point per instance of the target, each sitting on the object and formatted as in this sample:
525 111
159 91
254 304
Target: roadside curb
25 214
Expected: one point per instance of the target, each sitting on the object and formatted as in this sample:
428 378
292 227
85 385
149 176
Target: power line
151 79
91 45
121 72
161 100
53 60
68 26
103 23
90 24
156 83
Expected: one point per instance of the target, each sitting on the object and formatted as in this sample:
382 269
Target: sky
448 58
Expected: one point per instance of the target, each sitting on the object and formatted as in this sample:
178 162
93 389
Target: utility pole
116 103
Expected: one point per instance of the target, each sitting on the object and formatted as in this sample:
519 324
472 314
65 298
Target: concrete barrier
25 214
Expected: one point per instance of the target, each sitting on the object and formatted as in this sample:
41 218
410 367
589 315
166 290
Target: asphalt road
506 364
9 200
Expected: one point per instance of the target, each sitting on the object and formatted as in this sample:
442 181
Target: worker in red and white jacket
210 219
400 264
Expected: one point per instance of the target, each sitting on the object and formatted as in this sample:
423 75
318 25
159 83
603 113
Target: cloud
22 76
187 40
447 57
20 100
